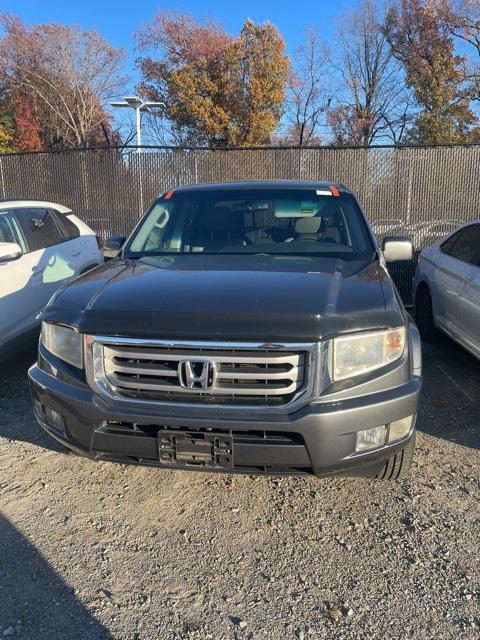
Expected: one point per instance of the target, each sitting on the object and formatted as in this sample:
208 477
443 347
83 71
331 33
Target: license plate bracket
207 450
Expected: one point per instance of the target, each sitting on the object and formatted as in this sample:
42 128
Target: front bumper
319 438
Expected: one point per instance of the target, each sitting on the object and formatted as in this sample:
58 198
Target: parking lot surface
96 550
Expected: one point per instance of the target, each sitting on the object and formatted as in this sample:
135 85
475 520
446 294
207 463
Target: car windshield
253 221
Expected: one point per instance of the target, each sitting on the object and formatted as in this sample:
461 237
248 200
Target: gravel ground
96 550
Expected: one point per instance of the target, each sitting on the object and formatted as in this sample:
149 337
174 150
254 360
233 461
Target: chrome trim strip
197 344
98 381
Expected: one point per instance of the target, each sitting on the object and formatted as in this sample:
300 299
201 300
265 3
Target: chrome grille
237 374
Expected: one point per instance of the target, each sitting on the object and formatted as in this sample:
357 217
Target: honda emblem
197 374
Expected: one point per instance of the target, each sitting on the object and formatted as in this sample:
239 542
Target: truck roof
264 184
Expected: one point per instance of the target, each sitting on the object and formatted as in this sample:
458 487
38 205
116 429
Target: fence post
83 165
409 191
140 156
3 178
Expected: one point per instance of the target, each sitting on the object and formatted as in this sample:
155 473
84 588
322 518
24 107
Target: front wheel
424 314
398 465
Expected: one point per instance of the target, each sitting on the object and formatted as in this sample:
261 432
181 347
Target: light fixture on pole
136 103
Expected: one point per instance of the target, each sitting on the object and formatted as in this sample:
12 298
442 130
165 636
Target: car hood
259 298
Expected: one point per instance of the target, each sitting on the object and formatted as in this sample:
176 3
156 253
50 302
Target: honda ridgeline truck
242 327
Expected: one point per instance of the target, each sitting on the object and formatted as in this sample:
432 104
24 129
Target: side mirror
396 248
112 247
9 251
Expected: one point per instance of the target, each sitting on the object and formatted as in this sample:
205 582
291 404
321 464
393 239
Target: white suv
42 246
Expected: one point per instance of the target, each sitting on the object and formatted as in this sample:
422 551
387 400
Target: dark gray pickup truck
242 327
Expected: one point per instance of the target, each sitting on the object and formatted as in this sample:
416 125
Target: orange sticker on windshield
335 191
168 195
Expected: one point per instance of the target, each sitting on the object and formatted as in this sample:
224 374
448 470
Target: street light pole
134 102
139 105
139 128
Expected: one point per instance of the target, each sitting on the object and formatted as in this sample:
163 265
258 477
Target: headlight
63 342
364 352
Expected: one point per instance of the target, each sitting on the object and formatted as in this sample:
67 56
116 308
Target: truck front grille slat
235 356
140 368
234 375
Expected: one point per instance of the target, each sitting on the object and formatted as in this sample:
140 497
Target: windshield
253 221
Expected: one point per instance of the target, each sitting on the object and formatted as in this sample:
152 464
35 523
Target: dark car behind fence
420 192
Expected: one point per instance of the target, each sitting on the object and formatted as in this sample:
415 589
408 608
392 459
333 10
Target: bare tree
462 19
308 92
69 75
434 72
159 130
374 104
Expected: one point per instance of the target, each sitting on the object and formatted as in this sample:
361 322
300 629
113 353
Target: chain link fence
420 192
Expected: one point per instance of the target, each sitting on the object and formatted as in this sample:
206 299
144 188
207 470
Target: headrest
331 220
219 219
308 225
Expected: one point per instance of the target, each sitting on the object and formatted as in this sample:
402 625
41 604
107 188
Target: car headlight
64 342
364 352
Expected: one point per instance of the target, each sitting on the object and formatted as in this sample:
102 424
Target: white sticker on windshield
321 192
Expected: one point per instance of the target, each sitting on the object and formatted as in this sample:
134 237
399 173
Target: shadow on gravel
35 603
16 415
451 393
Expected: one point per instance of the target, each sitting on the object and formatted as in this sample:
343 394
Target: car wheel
398 465
424 314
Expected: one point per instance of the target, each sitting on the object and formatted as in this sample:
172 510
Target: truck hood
257 298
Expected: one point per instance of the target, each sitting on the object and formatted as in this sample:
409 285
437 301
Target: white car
447 288
42 246
424 233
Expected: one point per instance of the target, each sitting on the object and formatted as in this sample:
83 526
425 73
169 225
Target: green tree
6 134
7 124
219 90
421 41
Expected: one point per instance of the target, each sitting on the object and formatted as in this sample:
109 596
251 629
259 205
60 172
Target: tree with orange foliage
219 90
28 130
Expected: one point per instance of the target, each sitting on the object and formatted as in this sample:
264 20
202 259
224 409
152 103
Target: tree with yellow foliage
6 134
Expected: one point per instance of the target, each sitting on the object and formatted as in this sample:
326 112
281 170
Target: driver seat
331 232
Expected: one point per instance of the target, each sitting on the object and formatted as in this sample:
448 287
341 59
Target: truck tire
424 314
398 465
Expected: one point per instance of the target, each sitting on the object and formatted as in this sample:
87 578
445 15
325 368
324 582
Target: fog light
54 419
400 429
371 438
